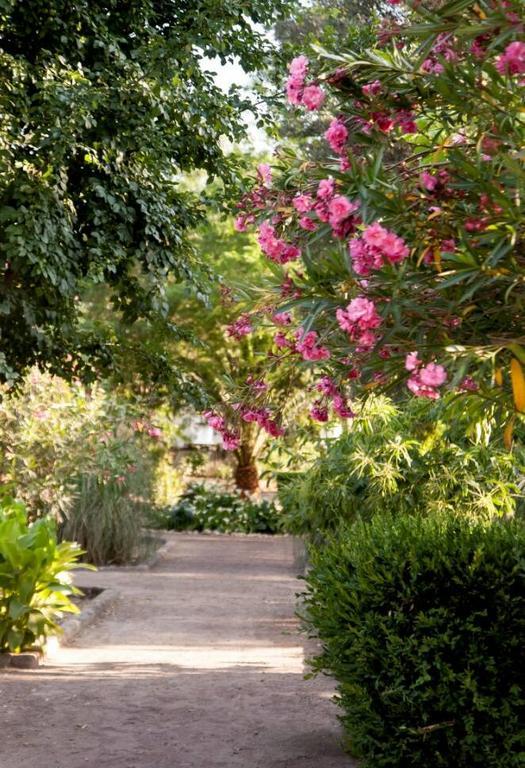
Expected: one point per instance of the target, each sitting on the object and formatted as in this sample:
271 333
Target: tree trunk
247 477
246 474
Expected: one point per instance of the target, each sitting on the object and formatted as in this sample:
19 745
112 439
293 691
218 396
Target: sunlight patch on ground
287 660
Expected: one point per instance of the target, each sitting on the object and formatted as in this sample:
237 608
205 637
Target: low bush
207 509
422 620
35 588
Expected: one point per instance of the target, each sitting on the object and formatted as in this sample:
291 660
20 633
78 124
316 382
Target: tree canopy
104 105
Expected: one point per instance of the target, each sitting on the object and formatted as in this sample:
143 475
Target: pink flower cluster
307 345
359 320
264 172
274 247
263 418
386 120
241 327
282 318
376 247
442 50
512 60
337 136
230 438
311 96
319 411
337 210
424 380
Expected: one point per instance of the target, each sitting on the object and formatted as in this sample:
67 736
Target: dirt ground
198 665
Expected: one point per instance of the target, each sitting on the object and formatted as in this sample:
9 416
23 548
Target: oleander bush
202 508
421 620
84 456
35 588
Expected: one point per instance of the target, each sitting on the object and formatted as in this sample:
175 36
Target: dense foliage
104 105
35 587
403 254
394 461
83 456
421 621
203 508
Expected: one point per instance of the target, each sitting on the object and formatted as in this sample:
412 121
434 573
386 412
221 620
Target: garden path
199 664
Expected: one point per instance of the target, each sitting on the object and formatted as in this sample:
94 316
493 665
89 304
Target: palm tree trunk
246 473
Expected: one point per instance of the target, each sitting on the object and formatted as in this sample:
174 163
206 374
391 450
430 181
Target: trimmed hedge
422 622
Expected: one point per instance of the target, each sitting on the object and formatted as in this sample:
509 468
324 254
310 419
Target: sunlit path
198 665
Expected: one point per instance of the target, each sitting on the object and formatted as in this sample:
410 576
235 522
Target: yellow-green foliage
392 460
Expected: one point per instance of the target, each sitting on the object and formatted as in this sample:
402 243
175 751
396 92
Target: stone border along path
198 664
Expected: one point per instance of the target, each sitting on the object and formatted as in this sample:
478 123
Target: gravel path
198 665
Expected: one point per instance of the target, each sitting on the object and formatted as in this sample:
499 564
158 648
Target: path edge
75 624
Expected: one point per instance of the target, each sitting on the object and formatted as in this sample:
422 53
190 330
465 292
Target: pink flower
326 189
250 416
281 341
307 346
383 121
313 97
374 235
512 60
433 375
298 67
265 173
394 248
372 89
428 181
341 407
240 224
363 311
406 121
321 209
376 246
294 89
215 421
424 380
365 340
421 390
308 224
340 208
364 259
155 433
230 441
344 164
282 318
326 386
258 385
271 427
412 361
359 320
276 249
241 327
337 135
319 413
303 203
468 385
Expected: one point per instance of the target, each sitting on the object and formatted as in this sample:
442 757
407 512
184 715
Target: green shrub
105 522
206 509
84 456
35 588
398 461
422 621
